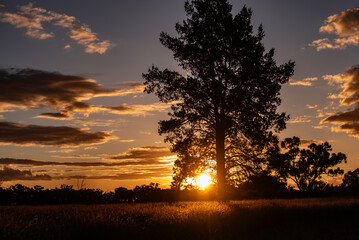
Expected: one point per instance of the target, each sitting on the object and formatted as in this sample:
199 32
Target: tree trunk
221 169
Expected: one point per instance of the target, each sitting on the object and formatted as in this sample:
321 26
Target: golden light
204 180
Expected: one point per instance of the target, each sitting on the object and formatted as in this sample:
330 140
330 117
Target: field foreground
254 219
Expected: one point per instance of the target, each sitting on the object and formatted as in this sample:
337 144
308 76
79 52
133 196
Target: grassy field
257 219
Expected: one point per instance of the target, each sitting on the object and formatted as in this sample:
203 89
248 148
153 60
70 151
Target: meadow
248 219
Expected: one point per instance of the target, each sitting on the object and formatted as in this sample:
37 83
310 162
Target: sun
204 180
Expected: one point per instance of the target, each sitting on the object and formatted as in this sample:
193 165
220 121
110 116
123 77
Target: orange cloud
349 83
304 82
301 119
33 19
345 25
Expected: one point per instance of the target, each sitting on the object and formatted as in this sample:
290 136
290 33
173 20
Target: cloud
10 174
33 20
57 116
301 119
138 109
29 89
304 82
160 173
349 95
149 152
351 129
78 156
126 140
62 151
320 127
349 83
136 163
141 156
131 88
311 106
309 141
344 117
345 25
27 135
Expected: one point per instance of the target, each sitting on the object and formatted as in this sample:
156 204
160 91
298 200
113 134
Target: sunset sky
72 105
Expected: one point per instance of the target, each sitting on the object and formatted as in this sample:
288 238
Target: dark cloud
22 134
343 117
29 89
10 174
345 25
350 128
54 116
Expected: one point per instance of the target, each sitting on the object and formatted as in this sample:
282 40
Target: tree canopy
306 166
230 94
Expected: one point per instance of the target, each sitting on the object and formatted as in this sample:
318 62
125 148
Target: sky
72 105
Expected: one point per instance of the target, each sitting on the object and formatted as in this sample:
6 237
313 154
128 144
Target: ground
252 219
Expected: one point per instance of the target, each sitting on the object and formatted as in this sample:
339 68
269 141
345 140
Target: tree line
254 188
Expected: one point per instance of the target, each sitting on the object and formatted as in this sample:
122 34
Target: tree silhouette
351 181
231 91
307 166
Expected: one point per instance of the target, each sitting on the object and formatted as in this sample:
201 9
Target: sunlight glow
204 180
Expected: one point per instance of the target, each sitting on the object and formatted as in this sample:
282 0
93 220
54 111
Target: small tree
307 166
230 93
351 181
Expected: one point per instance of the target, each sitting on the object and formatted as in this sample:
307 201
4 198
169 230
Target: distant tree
351 181
230 93
123 195
307 166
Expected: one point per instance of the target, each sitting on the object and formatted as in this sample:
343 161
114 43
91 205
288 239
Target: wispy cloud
162 154
138 109
311 106
301 119
345 25
11 174
135 163
304 82
33 18
138 156
305 142
29 135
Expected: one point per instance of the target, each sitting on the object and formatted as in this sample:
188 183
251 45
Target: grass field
255 219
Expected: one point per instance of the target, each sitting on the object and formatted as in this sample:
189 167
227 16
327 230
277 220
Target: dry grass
257 219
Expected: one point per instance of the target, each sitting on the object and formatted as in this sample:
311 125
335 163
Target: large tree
230 94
